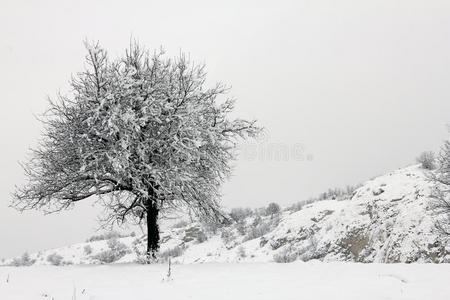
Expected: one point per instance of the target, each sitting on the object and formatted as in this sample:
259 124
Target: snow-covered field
298 280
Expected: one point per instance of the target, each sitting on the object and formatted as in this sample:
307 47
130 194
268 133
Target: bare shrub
139 251
260 211
212 226
239 213
227 236
296 206
201 237
106 236
116 251
285 255
55 259
241 252
23 261
257 231
193 233
309 250
87 249
241 228
117 246
427 160
257 220
275 221
272 209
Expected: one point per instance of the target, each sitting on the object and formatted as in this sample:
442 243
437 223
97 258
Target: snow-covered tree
272 209
441 192
427 160
142 133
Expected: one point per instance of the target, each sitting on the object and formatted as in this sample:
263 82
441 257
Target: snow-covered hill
388 219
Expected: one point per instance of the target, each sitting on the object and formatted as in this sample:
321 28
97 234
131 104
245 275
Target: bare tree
142 133
427 160
273 209
441 192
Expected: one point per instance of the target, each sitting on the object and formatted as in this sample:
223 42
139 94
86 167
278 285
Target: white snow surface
387 220
298 280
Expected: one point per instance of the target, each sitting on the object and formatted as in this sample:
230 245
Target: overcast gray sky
362 86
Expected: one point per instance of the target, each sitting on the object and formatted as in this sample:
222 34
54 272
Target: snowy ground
298 280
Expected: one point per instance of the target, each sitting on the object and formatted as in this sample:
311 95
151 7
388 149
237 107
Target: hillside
388 219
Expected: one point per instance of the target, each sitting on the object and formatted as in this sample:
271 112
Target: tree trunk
152 229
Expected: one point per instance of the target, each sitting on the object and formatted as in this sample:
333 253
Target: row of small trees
238 213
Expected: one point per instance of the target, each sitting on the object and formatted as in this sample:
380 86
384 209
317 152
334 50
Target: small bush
427 160
241 252
296 206
106 236
201 237
241 228
275 221
227 236
212 227
106 257
116 251
87 249
117 246
55 259
192 234
239 214
257 220
257 231
260 211
286 255
272 209
140 251
23 261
